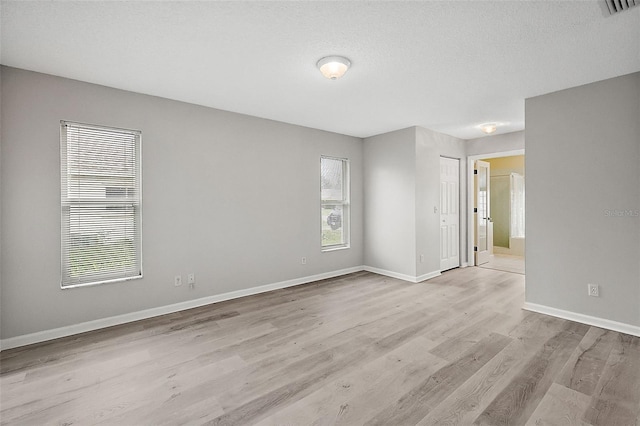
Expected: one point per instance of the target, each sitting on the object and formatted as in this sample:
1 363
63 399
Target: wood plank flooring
361 349
506 263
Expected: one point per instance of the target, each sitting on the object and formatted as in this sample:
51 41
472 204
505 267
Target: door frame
470 192
481 256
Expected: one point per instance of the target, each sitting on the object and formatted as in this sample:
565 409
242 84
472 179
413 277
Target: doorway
503 234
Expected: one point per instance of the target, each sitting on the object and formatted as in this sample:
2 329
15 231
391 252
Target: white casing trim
42 336
584 319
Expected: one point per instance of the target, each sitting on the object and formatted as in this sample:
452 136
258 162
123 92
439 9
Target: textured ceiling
444 65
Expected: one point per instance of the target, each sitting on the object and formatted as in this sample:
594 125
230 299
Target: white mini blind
100 204
334 208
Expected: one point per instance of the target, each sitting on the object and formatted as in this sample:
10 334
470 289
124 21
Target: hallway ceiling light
333 67
489 128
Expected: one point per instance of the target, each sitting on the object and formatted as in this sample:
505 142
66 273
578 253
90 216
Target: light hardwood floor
359 349
506 263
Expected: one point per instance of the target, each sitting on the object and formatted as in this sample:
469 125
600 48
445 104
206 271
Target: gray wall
232 198
402 175
583 163
390 176
430 146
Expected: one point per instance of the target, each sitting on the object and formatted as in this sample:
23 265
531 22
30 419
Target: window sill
335 248
117 280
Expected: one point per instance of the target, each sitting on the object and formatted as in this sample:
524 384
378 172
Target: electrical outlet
177 281
594 290
421 258
191 279
303 261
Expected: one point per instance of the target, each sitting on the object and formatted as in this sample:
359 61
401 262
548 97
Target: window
334 193
100 204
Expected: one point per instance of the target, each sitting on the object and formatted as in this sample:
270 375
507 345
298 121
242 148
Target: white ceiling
444 65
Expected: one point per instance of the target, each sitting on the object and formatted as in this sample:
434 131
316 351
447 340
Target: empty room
320 212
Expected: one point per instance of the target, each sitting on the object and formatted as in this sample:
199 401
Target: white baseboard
428 276
42 336
584 319
400 276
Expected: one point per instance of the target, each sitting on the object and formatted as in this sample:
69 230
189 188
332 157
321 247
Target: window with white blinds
100 204
334 205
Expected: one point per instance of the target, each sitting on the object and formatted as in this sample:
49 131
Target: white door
449 213
481 212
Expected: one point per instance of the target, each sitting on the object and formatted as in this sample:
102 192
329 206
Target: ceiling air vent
616 6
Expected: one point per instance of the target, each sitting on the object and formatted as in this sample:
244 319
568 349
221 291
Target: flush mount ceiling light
333 67
489 128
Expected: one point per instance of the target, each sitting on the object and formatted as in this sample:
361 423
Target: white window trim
345 203
138 243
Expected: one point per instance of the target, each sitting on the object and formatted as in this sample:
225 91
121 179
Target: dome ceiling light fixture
333 67
489 128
